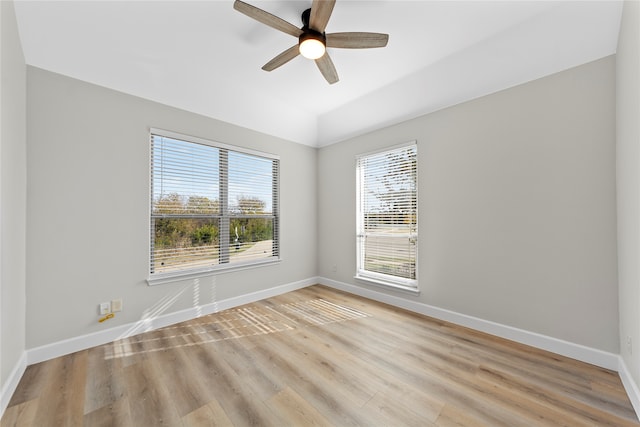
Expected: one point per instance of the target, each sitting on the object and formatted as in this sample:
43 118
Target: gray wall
12 195
517 210
628 183
88 195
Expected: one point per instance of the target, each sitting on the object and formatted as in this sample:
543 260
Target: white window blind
387 228
212 206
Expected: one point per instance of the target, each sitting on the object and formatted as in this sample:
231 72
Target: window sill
387 284
162 278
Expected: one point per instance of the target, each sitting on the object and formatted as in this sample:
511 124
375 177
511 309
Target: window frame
372 277
224 217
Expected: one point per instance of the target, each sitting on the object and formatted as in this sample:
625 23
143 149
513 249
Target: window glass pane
184 243
392 255
389 190
250 184
251 239
185 177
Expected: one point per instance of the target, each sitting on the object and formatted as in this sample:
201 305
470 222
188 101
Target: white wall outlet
629 344
116 305
334 268
105 308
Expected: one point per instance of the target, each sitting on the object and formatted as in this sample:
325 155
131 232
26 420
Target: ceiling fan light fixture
312 40
312 46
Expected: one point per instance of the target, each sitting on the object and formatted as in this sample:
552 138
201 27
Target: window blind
212 206
387 216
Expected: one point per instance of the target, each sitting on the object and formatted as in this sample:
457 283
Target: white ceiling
205 57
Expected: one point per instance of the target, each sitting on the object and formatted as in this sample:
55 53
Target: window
212 206
387 228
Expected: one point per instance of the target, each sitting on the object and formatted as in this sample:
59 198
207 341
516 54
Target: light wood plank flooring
317 357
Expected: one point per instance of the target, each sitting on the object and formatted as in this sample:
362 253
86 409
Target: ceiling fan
312 40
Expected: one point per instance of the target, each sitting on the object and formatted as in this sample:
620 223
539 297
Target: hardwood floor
317 357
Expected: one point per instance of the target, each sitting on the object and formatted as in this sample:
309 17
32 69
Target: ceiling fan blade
266 18
320 14
326 67
357 40
282 59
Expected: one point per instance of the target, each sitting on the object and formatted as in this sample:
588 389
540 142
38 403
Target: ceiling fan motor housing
310 34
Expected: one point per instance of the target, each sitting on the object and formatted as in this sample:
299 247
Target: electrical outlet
116 305
629 344
105 308
334 268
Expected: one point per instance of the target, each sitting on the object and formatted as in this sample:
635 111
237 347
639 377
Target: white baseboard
83 342
629 384
9 387
554 345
